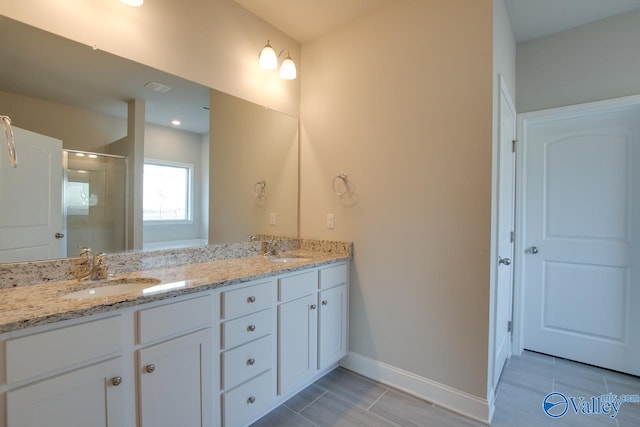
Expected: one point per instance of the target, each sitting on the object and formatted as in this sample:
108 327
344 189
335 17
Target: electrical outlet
272 218
331 221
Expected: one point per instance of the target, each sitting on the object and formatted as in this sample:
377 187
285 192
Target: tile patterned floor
345 399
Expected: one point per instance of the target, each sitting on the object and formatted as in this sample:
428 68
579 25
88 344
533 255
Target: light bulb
288 69
268 58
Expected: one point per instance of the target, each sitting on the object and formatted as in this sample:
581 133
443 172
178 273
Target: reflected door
582 290
31 225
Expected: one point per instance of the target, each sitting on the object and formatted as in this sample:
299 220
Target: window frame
190 193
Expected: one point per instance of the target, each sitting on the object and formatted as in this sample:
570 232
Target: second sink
112 287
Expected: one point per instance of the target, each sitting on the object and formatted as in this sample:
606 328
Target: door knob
504 261
116 381
150 368
59 236
533 250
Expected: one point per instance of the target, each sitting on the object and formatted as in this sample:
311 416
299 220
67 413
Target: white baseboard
443 395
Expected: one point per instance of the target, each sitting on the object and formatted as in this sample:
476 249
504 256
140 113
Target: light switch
272 218
331 223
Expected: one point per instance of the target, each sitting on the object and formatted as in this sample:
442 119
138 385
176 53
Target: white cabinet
176 384
96 371
90 397
247 352
332 326
175 376
312 325
72 375
297 342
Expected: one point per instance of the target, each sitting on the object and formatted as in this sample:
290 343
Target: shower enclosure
94 201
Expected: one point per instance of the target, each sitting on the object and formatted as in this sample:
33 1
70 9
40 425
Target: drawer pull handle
312 307
116 381
251 328
150 368
251 299
251 362
325 302
251 399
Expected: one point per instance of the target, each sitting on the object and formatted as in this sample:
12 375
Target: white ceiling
531 19
304 20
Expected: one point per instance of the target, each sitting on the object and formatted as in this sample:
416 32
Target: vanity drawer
248 401
33 355
247 328
333 276
174 319
247 361
297 286
247 300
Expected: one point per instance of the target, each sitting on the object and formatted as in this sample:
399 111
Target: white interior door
581 284
506 205
31 199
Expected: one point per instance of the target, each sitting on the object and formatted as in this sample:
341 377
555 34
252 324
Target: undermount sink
108 288
290 258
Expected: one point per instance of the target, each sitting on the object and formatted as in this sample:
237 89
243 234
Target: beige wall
400 101
212 42
249 144
593 62
79 129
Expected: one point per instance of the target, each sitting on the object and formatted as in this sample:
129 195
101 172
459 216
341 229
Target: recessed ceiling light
176 122
157 87
79 154
93 156
135 3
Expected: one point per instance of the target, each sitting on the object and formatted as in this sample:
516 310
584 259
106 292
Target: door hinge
511 237
513 145
509 326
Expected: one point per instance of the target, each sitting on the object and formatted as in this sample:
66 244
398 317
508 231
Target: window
167 191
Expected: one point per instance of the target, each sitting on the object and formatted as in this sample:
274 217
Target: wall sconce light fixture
269 61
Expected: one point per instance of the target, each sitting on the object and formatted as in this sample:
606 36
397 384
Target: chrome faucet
94 267
270 247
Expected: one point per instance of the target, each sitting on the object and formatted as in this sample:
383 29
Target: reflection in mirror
94 201
97 102
254 173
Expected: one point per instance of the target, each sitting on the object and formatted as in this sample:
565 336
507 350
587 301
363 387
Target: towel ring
260 189
345 181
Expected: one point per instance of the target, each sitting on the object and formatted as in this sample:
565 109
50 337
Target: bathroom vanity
219 349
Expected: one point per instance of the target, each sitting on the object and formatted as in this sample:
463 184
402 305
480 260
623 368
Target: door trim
524 120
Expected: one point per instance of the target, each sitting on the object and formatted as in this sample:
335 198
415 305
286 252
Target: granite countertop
26 306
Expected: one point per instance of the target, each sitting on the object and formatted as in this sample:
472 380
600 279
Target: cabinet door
297 342
176 382
87 397
332 343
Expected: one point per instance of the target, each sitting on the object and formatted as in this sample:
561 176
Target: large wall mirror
132 179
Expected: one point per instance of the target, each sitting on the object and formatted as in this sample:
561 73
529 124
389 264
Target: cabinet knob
251 362
251 328
116 381
251 399
312 307
150 368
325 302
251 299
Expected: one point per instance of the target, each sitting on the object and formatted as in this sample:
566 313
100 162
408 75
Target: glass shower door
94 201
